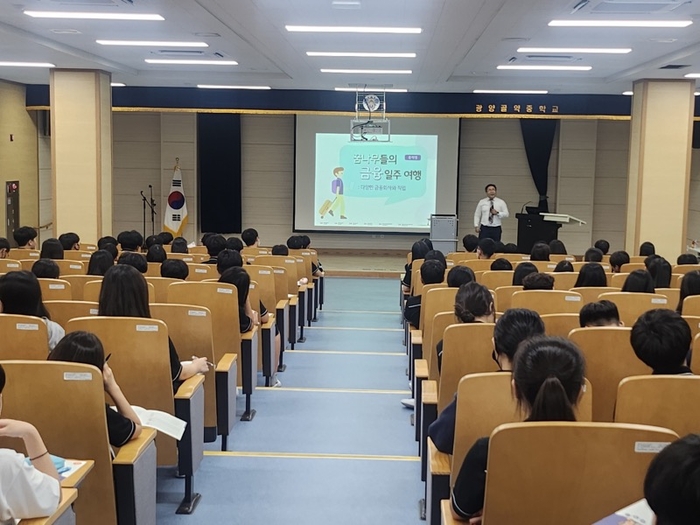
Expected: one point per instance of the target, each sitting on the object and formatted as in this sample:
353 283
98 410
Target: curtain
538 138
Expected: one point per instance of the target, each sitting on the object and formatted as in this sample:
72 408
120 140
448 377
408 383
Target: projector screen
374 186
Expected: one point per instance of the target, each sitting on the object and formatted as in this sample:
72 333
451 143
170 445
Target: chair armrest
421 369
76 478
189 387
68 497
130 452
439 462
430 393
250 334
226 362
416 337
447 517
270 324
281 305
293 301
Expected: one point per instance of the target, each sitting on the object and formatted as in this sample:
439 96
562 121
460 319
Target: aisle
333 442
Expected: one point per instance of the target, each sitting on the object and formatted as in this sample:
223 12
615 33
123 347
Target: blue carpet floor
333 442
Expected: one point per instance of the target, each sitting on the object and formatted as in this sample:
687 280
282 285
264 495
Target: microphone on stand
522 210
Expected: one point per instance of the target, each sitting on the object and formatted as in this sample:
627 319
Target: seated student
602 245
4 248
130 241
591 274
29 486
20 294
124 293
648 260
564 266
646 249
294 242
593 255
661 339
548 380
431 272
123 424
540 252
510 247
521 271
428 243
617 259
486 249
179 245
499 247
639 281
46 269
538 281
600 313
501 264
316 270
250 237
690 285
459 275
156 254
684 258
69 241
135 260
228 259
470 243
215 244
174 269
436 255
166 238
51 249
106 240
234 243
556 247
280 249
112 250
512 328
100 262
660 270
152 240
25 237
205 236
418 251
672 482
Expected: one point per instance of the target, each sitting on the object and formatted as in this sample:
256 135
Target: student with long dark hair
690 285
660 270
556 247
540 252
51 249
564 266
46 269
418 251
100 262
548 379
591 274
639 281
521 271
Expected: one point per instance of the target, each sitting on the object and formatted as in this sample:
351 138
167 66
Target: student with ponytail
548 379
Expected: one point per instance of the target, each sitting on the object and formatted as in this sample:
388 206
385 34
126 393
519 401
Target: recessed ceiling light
628 93
191 62
150 43
212 86
359 55
548 68
118 84
370 71
27 64
614 51
353 29
692 75
366 90
511 91
620 23
93 16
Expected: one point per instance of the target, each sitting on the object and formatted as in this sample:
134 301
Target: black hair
112 250
686 258
672 482
639 281
79 347
228 259
427 242
486 188
234 243
294 242
487 247
564 266
20 294
100 262
548 373
540 252
124 293
432 271
538 281
179 245
2 379
156 254
498 247
501 264
602 245
215 244
522 270
106 240
205 236
4 244
646 249
513 327
46 269
600 313
280 249
418 250
473 300
305 241
617 259
510 248
690 285
23 235
591 274
68 240
470 242
51 249
556 247
135 260
593 255
660 270
436 255
130 240
459 275
174 269
153 240
249 236
661 339
166 237
238 277
648 260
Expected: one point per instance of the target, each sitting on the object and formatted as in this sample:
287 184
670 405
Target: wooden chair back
426 288
559 325
682 269
578 265
637 258
496 279
200 250
67 267
91 291
556 258
564 280
160 287
63 311
608 454
512 257
548 301
23 337
695 362
153 269
590 294
27 264
618 280
673 295
631 304
77 255
265 277
11 265
544 266
288 263
77 284
55 290
457 257
199 272
479 265
435 302
306 259
630 267
691 305
186 257
609 359
437 331
281 282
676 279
25 253
694 324
504 297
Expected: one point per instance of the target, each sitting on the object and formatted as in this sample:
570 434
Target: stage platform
362 263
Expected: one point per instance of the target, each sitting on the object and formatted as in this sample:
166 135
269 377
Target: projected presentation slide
375 185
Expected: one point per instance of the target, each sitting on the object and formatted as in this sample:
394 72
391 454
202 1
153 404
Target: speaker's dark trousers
490 232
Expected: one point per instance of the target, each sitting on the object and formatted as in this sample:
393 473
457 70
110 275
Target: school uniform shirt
406 281
411 310
674 371
25 492
442 430
56 332
470 487
120 428
483 210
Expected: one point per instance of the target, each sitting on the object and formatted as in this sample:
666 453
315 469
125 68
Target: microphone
522 210
150 186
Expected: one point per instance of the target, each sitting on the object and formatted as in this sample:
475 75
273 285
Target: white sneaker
408 403
410 385
277 383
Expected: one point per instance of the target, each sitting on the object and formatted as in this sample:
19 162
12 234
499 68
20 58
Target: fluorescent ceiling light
27 64
212 86
511 91
620 23
187 62
359 55
93 16
628 93
697 93
145 43
614 51
370 71
353 29
548 68
692 75
369 90
118 84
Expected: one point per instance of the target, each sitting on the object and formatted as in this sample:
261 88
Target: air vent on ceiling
357 85
674 66
628 7
65 31
108 3
550 58
179 52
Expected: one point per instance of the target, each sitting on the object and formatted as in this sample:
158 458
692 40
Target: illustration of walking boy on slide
337 190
